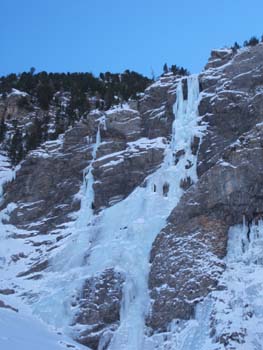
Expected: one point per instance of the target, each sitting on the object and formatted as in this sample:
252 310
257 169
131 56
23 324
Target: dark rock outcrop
219 57
231 104
126 122
15 105
156 107
116 175
6 306
99 308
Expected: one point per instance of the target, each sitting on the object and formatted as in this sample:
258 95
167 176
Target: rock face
47 182
186 256
156 108
15 105
100 308
231 103
117 174
126 122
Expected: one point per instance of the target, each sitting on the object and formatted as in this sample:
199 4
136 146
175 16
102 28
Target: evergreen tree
245 43
179 70
2 129
253 41
43 85
107 76
78 101
174 69
59 125
32 70
45 90
45 123
34 135
235 47
165 68
8 82
109 97
16 150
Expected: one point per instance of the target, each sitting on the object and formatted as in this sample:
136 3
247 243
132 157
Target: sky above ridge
141 35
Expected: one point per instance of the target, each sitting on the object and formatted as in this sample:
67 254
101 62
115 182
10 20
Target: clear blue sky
101 35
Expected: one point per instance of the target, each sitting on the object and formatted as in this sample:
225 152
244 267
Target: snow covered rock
15 105
219 58
125 121
47 182
100 305
117 174
231 103
156 107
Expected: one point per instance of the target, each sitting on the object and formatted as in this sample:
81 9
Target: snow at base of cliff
23 332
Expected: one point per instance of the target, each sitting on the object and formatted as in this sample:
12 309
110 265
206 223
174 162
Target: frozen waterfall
122 236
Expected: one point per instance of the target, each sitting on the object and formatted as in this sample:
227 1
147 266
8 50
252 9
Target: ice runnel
87 190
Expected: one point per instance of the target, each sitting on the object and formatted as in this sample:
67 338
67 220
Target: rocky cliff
124 231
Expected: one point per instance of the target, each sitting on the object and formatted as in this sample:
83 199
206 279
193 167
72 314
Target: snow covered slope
23 332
